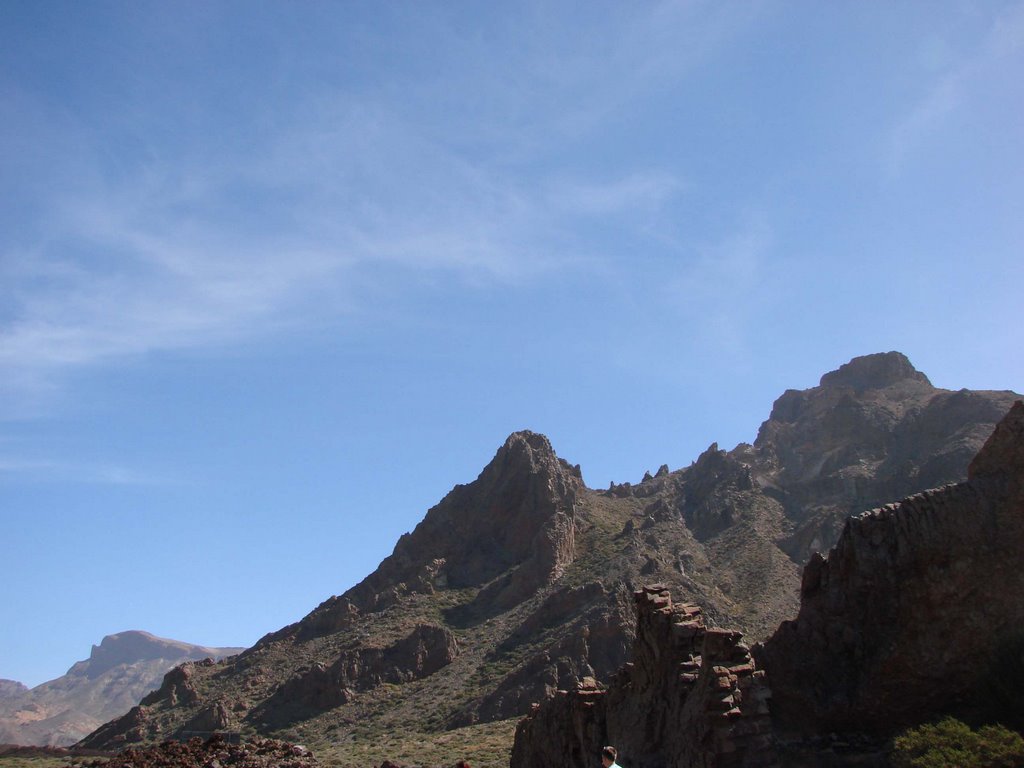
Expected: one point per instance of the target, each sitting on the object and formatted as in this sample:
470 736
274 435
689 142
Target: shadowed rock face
321 687
873 431
691 696
532 573
519 514
907 619
909 612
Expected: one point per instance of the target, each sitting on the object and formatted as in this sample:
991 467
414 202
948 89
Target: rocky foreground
214 752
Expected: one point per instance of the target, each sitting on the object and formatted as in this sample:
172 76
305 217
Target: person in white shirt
608 757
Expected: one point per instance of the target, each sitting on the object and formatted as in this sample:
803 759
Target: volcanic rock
214 751
531 573
517 518
909 613
691 696
908 619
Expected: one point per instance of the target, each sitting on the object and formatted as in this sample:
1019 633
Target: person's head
608 756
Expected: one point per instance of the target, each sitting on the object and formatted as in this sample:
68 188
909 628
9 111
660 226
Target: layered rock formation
914 614
531 573
911 612
119 672
691 696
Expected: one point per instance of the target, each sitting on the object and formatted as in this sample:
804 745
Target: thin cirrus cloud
150 238
956 88
165 259
48 471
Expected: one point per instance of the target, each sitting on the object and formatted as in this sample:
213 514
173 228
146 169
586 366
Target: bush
951 744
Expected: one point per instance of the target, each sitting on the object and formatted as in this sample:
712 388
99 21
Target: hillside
860 662
119 671
521 582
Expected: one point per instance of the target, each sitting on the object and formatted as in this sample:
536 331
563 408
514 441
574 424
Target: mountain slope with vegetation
520 583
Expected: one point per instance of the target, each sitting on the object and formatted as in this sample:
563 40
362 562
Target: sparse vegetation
485 746
12 761
952 744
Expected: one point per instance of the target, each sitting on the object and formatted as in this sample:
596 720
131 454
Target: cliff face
519 584
911 611
691 696
872 431
517 518
915 613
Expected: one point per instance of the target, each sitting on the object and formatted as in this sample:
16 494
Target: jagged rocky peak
876 371
518 514
526 451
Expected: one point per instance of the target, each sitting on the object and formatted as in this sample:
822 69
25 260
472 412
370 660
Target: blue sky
274 277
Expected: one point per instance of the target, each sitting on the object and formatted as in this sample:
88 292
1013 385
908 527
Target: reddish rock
211 753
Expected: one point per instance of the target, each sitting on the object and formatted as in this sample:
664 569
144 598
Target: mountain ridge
520 582
119 671
860 661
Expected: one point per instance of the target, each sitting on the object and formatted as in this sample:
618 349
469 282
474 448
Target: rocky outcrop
177 686
324 686
134 726
213 752
907 615
872 431
594 629
710 483
692 696
515 521
908 618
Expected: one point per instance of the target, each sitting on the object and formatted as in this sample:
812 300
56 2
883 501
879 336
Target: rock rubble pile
214 752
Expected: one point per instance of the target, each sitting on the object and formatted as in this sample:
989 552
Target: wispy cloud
723 289
952 88
170 242
28 470
638 191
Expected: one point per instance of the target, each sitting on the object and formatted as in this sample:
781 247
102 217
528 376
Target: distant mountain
521 583
118 673
11 688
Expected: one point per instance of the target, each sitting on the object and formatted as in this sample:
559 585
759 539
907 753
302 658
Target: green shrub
952 744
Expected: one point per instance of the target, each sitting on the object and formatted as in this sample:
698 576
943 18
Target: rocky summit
521 583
